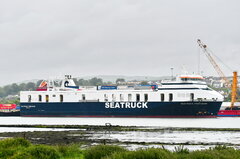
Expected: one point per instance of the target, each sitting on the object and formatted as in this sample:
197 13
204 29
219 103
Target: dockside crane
221 74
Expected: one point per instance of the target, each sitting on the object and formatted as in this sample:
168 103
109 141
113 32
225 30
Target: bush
22 155
151 153
20 148
225 152
221 152
14 142
43 152
4 153
70 150
202 155
11 146
97 152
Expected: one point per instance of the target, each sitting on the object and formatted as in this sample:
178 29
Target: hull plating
121 109
229 113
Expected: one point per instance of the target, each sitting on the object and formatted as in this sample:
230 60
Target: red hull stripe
96 116
229 113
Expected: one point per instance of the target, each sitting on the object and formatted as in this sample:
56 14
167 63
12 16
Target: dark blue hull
121 109
16 113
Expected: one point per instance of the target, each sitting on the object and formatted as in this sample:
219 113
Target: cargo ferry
186 96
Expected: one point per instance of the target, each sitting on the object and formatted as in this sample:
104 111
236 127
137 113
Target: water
19 129
226 122
173 137
193 140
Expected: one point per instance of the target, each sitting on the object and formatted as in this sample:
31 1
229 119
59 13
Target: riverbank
130 137
19 148
131 133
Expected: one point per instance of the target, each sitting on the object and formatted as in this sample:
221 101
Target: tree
120 80
30 86
144 83
96 81
107 83
82 82
14 88
2 93
22 86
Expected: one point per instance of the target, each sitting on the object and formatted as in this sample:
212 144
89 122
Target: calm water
156 122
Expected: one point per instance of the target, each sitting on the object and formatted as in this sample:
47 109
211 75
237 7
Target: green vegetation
14 88
91 82
120 80
20 148
151 153
100 151
10 101
144 83
227 93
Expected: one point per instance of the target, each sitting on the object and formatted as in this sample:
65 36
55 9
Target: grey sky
45 38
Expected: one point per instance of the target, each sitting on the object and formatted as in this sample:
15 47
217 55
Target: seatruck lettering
126 105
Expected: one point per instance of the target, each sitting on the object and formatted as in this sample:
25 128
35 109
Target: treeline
91 82
14 88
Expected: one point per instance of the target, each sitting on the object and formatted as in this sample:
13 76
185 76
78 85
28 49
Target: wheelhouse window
170 97
191 79
145 97
113 97
192 96
61 98
105 97
121 97
47 98
129 97
83 97
137 97
29 98
184 79
162 97
39 98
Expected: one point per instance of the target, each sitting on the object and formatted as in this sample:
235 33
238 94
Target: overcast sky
39 39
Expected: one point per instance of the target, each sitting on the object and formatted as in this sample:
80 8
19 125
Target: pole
234 89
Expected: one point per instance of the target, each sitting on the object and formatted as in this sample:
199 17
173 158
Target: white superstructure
184 88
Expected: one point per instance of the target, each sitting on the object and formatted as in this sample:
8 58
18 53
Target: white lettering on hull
126 105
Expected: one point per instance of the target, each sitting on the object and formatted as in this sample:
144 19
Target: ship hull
229 113
122 109
16 113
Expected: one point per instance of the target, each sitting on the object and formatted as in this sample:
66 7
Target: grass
100 151
151 153
19 148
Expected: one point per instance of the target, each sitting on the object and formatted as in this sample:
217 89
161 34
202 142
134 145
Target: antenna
172 73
